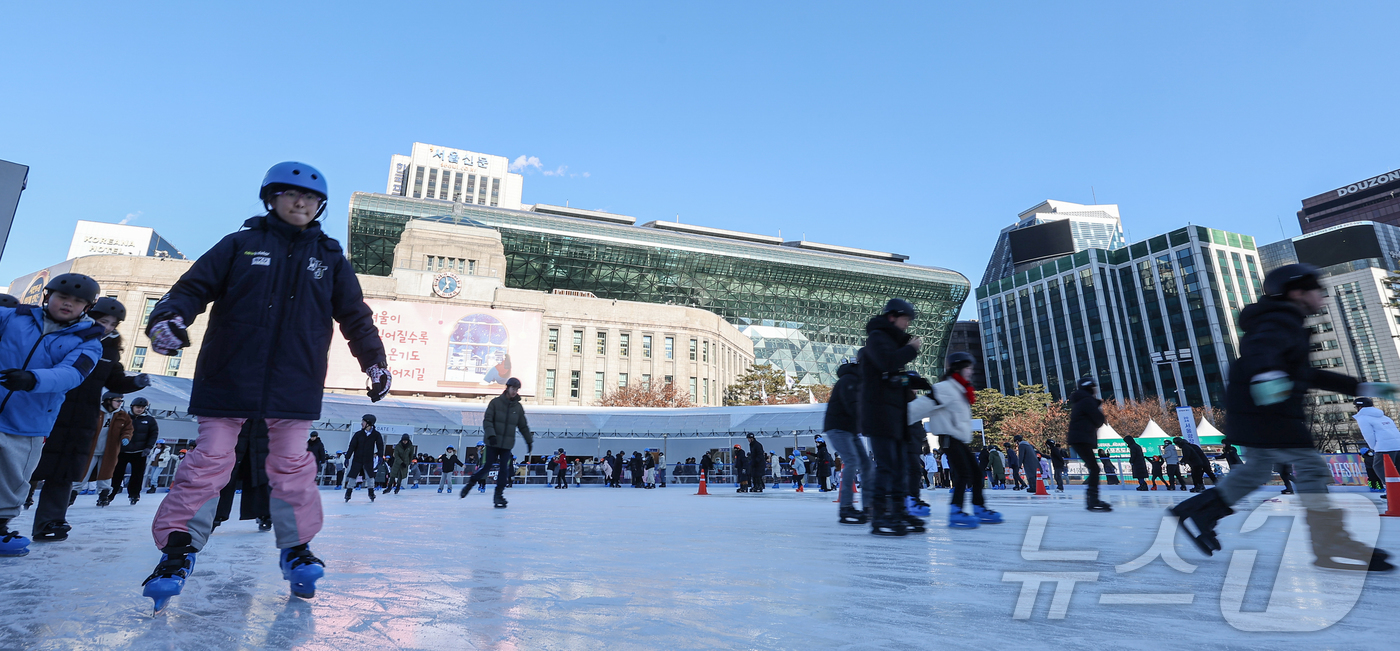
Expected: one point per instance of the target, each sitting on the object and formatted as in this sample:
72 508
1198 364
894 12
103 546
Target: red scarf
967 386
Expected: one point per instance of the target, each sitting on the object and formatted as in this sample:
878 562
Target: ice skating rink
604 568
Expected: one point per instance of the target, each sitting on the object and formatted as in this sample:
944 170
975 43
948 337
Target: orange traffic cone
1392 488
1039 485
702 490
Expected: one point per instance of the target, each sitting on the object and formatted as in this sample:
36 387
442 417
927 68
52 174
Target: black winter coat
144 433
1057 455
1192 454
69 446
884 400
824 459
317 449
275 291
503 418
1136 458
450 464
363 447
1274 340
1085 418
843 407
755 452
1231 456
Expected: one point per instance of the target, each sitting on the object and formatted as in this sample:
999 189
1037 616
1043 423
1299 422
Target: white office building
99 238
458 175
1052 229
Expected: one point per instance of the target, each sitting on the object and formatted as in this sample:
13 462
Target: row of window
699 350
451 186
439 263
699 387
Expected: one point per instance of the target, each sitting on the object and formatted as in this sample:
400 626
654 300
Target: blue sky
919 128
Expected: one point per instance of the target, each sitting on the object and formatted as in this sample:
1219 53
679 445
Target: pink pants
291 472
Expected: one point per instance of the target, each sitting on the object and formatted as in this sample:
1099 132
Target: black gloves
142 380
16 379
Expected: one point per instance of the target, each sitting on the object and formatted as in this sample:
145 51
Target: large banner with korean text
443 348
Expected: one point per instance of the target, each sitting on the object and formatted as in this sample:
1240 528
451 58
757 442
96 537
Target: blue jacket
275 291
59 361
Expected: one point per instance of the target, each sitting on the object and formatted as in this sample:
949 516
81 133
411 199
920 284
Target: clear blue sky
919 128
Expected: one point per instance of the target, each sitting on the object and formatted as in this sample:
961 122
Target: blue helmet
297 175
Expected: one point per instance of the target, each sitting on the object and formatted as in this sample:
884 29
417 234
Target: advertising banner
1188 424
1347 469
444 348
29 289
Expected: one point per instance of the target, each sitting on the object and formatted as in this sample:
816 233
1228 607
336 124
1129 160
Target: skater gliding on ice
952 422
362 455
276 286
1085 419
1264 414
884 409
45 351
504 417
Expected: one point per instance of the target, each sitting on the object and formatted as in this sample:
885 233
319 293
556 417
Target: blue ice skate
957 519
302 569
168 579
986 515
11 543
915 508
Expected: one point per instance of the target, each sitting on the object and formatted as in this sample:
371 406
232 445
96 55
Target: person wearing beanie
365 449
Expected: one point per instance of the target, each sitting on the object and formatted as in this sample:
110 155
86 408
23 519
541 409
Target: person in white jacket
1380 433
951 420
155 461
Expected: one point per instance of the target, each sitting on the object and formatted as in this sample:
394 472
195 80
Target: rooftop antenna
1093 194
1280 226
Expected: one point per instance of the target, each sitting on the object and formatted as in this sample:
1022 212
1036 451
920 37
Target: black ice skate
53 532
264 523
1197 517
850 515
1335 548
499 501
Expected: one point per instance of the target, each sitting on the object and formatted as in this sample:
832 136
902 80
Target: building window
646 346
432 183
602 343
457 187
172 363
624 345
146 311
578 342
549 383
694 395
622 380
573 384
693 346
418 183
706 383
495 191
471 267
446 178
138 359
646 380
670 351
471 189
598 384
669 380
554 340
706 352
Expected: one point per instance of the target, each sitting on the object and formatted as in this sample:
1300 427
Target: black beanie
369 418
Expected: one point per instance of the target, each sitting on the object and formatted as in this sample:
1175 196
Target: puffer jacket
1085 418
884 399
843 407
504 416
1275 340
953 415
1378 429
59 360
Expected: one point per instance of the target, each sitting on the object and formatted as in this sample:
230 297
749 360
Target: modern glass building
1154 319
1051 229
804 304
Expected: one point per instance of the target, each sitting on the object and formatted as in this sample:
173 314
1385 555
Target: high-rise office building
433 172
967 338
1376 199
1052 229
1151 320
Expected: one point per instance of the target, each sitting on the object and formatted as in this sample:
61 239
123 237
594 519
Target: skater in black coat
69 448
1137 461
1194 457
757 465
365 447
316 448
637 466
1085 419
741 470
707 466
1157 471
249 476
1230 455
885 392
824 464
617 469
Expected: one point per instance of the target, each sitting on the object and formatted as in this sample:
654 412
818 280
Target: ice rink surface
603 568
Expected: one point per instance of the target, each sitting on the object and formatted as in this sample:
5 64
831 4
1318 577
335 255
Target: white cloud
561 171
130 217
524 163
586 175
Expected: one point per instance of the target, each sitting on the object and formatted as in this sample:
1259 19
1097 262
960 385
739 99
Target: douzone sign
1388 177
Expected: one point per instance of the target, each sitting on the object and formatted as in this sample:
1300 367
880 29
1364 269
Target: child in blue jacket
277 288
44 352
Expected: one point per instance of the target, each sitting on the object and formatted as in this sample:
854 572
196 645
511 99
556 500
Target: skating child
450 465
952 420
276 285
45 352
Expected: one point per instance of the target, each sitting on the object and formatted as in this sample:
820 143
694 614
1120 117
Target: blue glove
1270 388
1377 390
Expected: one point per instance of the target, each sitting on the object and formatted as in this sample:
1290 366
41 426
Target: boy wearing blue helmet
276 286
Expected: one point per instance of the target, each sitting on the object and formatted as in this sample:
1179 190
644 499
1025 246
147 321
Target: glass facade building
1153 319
804 305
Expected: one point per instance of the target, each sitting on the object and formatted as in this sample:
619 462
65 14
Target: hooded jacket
504 416
1170 454
843 407
1136 460
952 415
275 290
1085 418
1274 340
883 399
1378 429
1029 460
59 360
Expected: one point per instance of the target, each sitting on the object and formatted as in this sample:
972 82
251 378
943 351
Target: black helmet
1289 277
513 382
72 284
108 306
140 402
959 360
112 395
900 307
8 301
1087 382
1363 402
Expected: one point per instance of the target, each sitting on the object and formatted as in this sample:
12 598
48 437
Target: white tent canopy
1106 433
1153 431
